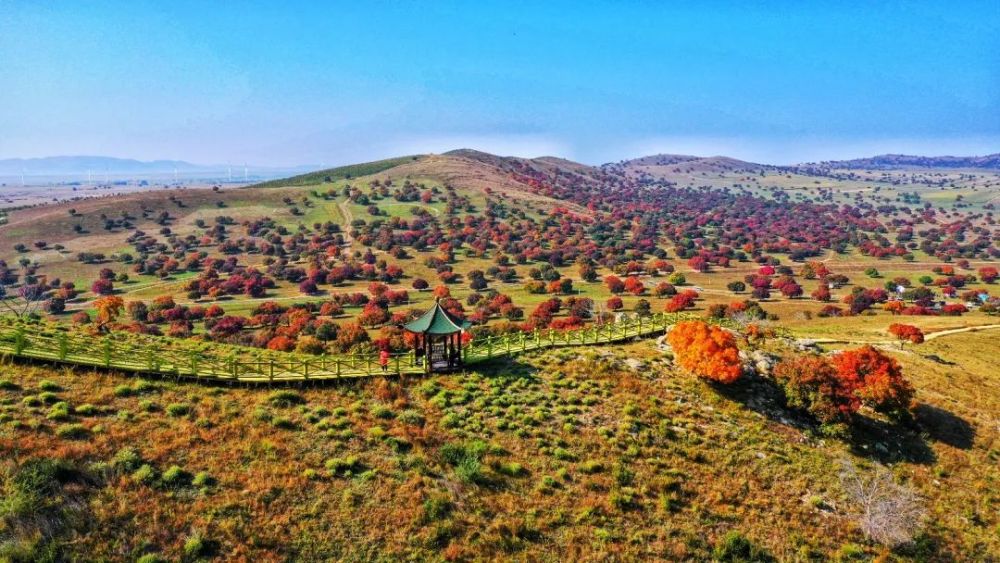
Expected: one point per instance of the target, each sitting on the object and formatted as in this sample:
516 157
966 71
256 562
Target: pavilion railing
219 362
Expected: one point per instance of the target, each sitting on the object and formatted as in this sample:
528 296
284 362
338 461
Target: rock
634 364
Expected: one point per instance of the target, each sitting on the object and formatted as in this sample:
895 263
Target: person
383 360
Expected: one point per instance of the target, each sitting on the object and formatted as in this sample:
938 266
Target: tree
906 333
791 290
103 286
349 336
706 350
811 383
877 380
988 274
736 286
614 303
634 286
108 308
615 284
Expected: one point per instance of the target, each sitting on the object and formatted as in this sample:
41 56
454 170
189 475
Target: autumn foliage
833 389
812 384
876 378
706 351
906 332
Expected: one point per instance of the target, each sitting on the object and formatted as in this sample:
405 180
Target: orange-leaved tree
706 351
108 308
877 379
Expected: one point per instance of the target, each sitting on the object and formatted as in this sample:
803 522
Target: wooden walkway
218 362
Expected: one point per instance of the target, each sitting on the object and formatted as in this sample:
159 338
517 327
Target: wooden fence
215 362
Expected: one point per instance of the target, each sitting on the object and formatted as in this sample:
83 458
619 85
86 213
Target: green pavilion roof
437 321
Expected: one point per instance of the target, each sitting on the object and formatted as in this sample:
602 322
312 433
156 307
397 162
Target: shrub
706 351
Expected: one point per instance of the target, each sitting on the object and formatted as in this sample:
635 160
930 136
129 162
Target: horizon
335 85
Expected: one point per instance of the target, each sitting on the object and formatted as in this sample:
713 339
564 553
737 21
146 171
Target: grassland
602 454
608 453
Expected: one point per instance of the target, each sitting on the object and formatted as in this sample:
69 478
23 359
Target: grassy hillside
605 454
340 173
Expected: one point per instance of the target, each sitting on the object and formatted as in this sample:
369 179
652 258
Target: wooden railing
219 362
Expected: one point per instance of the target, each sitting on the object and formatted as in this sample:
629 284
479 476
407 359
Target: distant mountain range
891 161
82 165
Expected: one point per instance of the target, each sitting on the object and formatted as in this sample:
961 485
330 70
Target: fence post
338 367
270 372
305 369
489 346
523 343
20 342
63 346
107 352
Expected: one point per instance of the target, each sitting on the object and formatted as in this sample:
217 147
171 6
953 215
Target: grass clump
73 432
344 467
178 409
736 547
285 398
174 476
59 411
48 385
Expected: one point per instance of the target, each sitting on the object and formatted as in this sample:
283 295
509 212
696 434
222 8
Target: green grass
339 173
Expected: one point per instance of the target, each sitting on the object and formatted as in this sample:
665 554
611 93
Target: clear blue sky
280 83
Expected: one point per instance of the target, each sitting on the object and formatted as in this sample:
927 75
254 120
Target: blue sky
281 83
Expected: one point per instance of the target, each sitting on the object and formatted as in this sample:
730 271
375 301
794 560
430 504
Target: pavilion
438 339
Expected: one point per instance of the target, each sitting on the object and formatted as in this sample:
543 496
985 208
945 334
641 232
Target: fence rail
243 364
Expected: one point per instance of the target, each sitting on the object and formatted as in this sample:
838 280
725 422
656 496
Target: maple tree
108 308
706 351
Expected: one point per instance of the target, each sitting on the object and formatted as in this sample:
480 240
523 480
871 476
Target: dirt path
928 336
348 219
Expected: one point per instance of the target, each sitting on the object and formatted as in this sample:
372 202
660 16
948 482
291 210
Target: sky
288 83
